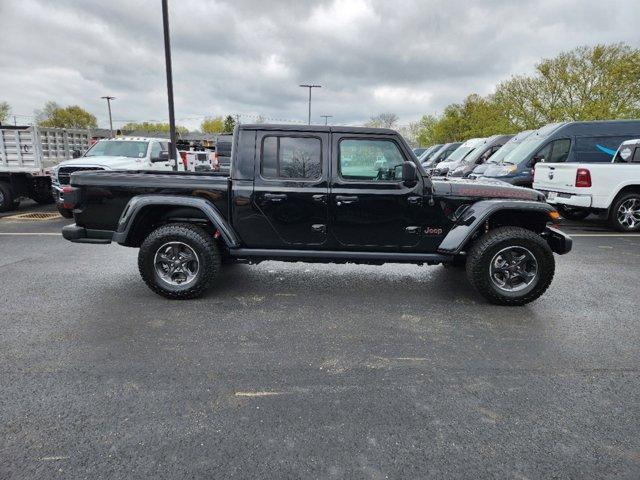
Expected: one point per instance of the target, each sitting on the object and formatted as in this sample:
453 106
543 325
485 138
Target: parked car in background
573 142
454 160
223 152
122 153
429 152
419 151
612 189
440 155
497 157
480 155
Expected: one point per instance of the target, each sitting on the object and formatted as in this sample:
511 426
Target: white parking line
29 233
603 234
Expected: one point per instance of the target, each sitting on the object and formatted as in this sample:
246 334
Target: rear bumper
77 234
558 241
562 198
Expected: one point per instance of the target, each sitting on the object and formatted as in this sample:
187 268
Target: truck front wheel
179 260
510 266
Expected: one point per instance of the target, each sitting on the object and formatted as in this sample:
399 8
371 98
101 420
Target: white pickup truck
121 153
612 189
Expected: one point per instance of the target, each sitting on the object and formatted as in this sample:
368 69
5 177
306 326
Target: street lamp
108 99
310 87
326 118
167 59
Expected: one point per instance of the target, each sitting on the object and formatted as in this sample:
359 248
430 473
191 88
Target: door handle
414 200
320 198
345 200
319 228
275 197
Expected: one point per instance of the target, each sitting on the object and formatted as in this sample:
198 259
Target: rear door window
291 157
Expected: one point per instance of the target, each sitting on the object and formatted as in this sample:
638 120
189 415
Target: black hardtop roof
316 128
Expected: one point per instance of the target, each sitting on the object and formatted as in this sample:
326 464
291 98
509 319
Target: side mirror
76 153
409 174
163 156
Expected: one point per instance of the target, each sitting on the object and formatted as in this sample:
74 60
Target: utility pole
326 118
167 59
310 87
108 99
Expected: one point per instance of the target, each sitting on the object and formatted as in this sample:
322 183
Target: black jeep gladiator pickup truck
319 194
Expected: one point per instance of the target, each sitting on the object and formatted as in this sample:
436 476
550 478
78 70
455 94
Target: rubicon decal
433 231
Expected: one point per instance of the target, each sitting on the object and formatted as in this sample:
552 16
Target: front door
370 205
291 189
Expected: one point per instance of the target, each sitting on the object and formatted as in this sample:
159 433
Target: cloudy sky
248 56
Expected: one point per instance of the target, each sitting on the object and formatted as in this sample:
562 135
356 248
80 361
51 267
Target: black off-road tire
65 212
613 213
6 198
573 213
199 241
486 247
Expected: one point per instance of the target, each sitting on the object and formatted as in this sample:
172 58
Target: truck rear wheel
179 260
625 213
510 266
6 198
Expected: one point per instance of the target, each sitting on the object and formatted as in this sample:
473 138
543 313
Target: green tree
587 83
229 123
212 125
152 127
5 110
72 116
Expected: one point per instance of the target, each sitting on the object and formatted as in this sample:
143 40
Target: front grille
64 173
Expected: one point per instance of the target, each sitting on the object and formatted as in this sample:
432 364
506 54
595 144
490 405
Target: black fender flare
473 218
136 204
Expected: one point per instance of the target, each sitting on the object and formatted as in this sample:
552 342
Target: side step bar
389 257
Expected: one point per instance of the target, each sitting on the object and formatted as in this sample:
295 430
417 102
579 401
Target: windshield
463 150
521 152
425 155
115 148
508 147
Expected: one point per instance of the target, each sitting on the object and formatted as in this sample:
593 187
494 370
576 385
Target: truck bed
106 193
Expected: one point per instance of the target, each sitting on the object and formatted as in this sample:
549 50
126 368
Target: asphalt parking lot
315 371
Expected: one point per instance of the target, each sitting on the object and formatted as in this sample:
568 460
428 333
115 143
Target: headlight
507 170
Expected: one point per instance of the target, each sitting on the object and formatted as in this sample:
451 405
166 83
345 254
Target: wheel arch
145 212
631 188
491 214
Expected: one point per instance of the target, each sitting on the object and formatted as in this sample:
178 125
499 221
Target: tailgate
556 177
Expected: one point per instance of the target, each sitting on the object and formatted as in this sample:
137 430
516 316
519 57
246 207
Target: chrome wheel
176 263
628 214
513 269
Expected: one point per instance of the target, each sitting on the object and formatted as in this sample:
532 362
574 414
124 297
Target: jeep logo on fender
433 231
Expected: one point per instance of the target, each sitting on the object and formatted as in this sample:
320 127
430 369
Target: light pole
326 118
108 99
167 59
310 87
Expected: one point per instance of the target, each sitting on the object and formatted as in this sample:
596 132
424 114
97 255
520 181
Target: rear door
370 206
291 189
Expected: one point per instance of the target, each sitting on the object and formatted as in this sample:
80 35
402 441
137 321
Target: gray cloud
247 56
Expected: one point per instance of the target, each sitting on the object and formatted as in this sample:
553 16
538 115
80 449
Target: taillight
68 197
583 178
215 163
